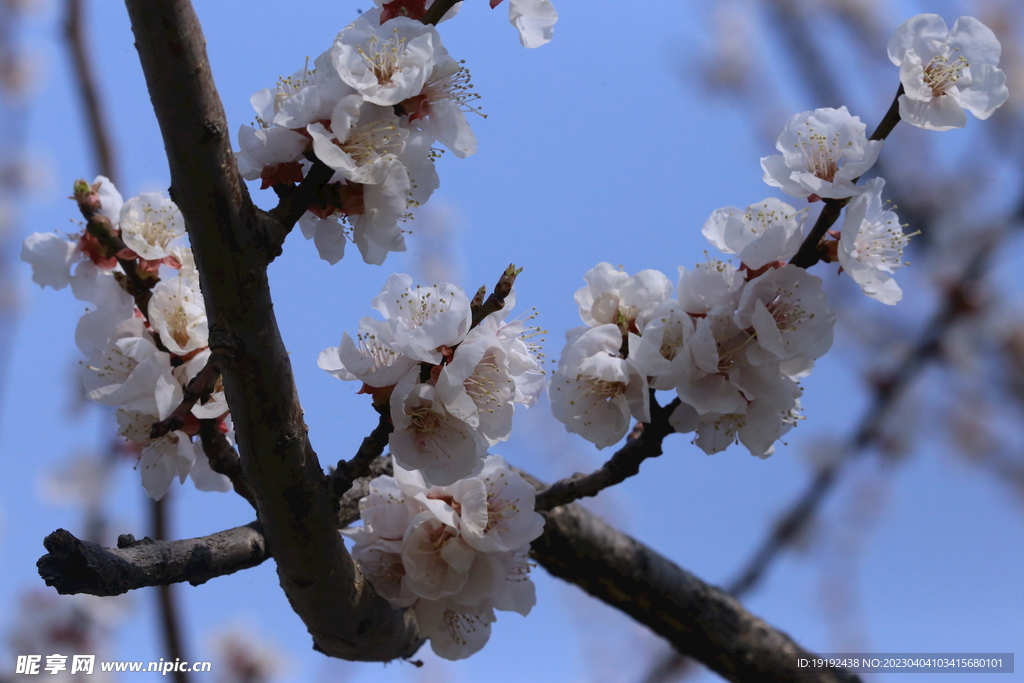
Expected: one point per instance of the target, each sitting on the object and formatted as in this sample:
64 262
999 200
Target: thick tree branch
698 619
325 588
73 566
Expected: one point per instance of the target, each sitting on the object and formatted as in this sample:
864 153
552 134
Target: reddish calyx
414 9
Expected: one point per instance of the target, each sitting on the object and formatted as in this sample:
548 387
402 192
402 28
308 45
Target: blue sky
594 149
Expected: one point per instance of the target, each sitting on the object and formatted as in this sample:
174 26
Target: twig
891 118
202 386
99 135
644 443
223 459
496 301
371 448
293 202
168 607
438 10
809 253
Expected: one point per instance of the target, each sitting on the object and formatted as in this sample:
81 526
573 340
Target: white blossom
757 425
127 370
477 387
429 438
372 358
177 314
787 312
595 391
151 225
360 135
871 244
164 458
534 19
441 107
423 319
613 297
454 553
302 98
945 71
762 233
659 353
823 152
708 285
385 63
51 256
264 150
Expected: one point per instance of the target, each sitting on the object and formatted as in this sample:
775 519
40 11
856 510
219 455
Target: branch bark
698 619
325 588
74 566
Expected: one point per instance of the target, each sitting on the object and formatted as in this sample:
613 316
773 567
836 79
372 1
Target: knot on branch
66 566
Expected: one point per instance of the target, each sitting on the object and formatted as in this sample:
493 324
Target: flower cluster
455 554
731 342
370 109
139 359
450 387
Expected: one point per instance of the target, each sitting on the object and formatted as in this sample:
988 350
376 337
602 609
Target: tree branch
496 301
223 459
623 464
325 588
99 134
698 619
293 202
370 450
437 10
73 566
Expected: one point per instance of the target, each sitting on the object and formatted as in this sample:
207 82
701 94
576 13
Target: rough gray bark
74 566
698 619
230 241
